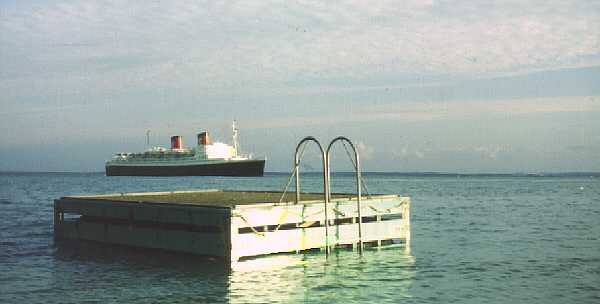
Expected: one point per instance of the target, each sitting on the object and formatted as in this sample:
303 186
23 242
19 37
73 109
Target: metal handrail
325 183
356 164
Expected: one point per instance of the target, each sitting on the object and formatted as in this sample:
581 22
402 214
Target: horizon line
421 173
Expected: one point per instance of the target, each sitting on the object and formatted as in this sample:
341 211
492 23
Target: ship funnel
176 142
203 138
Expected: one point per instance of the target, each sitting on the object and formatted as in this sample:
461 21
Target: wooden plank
192 215
252 244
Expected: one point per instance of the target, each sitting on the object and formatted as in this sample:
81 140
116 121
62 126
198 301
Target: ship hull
228 168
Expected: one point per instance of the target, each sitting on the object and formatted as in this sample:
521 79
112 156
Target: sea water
475 239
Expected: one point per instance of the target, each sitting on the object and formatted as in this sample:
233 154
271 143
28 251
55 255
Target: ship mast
235 137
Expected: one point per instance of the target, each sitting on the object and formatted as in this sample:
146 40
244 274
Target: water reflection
345 276
105 273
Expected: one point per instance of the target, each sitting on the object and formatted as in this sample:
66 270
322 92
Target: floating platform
231 224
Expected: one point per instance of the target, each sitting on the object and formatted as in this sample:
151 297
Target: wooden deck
213 197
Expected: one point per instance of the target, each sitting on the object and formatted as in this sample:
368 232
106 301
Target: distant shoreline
432 174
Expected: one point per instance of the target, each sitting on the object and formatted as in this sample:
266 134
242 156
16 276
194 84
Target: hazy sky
459 86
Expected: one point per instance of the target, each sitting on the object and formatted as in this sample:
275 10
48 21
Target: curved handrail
358 180
325 182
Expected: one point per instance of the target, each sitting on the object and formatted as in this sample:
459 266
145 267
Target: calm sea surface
475 239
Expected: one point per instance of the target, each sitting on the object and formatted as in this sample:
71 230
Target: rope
387 210
362 180
308 215
338 212
286 211
306 224
250 226
291 176
282 217
287 186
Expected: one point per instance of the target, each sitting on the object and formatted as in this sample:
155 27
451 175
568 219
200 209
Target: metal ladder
326 157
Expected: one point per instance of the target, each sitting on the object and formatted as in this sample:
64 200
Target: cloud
70 69
491 152
366 152
410 154
591 148
436 110
215 45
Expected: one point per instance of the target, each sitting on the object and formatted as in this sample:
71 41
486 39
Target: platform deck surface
216 198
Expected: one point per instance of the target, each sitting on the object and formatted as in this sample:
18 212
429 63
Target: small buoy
581 188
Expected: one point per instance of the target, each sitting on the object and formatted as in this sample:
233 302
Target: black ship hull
229 168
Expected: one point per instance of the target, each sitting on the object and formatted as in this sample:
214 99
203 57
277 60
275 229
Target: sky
444 86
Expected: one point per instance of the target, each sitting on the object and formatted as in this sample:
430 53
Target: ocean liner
206 159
